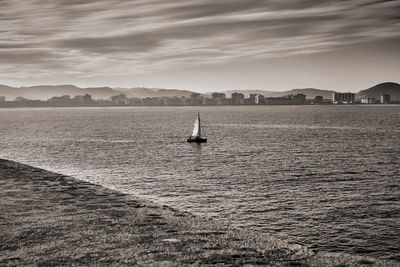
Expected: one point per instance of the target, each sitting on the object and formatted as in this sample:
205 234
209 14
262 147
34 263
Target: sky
201 45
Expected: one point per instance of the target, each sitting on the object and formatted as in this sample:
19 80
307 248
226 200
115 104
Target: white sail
196 128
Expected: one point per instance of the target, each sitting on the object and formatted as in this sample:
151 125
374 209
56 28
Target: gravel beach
52 219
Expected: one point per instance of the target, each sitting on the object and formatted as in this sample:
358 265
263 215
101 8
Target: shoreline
53 219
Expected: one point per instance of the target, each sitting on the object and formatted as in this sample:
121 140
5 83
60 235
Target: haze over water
323 176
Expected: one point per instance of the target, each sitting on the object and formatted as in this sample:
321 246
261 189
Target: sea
326 177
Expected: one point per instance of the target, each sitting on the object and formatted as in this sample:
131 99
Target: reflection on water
323 176
197 147
197 152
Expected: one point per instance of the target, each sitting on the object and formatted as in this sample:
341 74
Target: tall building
251 100
220 99
343 98
217 96
260 100
385 99
237 98
87 98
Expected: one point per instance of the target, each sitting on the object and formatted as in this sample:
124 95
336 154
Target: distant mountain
309 92
44 92
142 92
7 91
390 88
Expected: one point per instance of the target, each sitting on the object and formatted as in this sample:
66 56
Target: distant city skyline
201 45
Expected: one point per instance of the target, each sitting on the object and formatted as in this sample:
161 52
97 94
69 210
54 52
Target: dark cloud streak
133 43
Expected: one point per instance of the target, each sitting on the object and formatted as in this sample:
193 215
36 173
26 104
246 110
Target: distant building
2 98
153 101
278 100
237 98
217 96
23 102
225 101
220 99
60 101
299 99
260 100
385 99
210 101
78 98
251 100
174 101
120 99
343 98
319 100
195 95
135 101
87 98
60 98
20 98
193 101
82 98
368 100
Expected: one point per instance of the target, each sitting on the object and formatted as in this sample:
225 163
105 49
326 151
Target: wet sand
52 219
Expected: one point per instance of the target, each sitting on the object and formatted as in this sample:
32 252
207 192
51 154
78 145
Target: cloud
136 42
147 35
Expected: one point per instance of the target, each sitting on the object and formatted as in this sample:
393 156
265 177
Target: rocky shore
52 219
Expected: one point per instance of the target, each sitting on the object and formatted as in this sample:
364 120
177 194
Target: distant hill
142 92
309 92
7 91
390 88
44 92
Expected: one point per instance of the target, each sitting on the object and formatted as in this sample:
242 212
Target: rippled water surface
323 176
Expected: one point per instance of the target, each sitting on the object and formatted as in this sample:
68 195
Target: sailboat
196 134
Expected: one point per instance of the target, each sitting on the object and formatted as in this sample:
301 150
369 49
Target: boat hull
196 140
